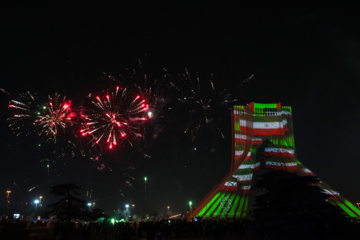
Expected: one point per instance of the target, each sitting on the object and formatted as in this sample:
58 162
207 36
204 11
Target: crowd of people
162 229
171 229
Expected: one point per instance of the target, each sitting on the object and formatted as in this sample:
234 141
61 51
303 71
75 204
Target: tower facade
262 137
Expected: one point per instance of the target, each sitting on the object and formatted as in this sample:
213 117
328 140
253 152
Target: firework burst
44 118
114 117
154 87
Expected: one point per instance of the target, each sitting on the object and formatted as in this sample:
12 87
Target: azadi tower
252 125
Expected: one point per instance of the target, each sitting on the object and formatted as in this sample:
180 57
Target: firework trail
4 91
114 117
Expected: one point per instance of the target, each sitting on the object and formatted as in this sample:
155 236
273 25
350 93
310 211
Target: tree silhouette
68 207
295 204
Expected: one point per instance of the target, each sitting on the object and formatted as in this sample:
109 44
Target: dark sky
304 56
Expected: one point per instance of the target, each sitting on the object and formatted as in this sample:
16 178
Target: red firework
114 117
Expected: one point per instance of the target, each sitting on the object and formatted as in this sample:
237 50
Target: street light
40 204
145 179
36 201
40 197
89 205
190 204
127 209
8 201
8 196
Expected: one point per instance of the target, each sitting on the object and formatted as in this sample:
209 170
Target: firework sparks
32 188
151 87
205 106
56 115
148 86
45 119
4 91
114 117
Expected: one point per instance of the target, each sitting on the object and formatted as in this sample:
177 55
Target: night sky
306 57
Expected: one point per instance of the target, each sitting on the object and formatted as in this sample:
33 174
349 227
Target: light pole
190 204
127 211
145 179
40 204
168 208
8 196
36 201
7 201
89 205
133 206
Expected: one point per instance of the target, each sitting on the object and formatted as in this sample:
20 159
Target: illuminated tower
262 138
